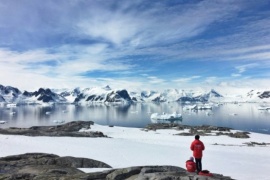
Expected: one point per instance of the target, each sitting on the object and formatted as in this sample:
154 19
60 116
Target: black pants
198 164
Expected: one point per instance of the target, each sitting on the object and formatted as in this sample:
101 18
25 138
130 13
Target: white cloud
261 56
31 56
155 80
243 68
235 75
187 79
211 80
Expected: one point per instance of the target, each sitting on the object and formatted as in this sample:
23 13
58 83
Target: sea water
240 116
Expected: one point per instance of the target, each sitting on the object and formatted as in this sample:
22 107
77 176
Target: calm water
244 116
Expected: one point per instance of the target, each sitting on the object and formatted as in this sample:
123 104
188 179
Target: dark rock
41 166
165 126
235 135
204 130
239 135
158 99
265 94
45 95
256 144
185 134
8 89
118 96
79 97
151 173
2 99
70 129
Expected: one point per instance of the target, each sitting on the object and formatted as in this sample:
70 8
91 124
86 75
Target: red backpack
191 166
205 173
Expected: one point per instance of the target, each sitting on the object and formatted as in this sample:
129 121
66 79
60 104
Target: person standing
197 147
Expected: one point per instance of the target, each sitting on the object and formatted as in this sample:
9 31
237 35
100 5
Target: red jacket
197 147
191 166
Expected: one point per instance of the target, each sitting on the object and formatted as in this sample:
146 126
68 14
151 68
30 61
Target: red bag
191 166
205 173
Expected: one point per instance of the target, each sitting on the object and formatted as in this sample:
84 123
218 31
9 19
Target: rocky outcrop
41 166
45 95
265 94
118 96
70 129
2 99
204 130
236 134
9 90
151 173
9 94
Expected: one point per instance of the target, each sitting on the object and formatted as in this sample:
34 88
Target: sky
138 44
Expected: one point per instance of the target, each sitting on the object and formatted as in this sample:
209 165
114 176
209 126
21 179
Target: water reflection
244 117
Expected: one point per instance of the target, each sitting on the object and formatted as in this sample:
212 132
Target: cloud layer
135 44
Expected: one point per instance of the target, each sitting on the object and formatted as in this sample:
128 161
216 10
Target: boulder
41 166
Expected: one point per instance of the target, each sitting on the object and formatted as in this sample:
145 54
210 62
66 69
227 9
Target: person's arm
192 147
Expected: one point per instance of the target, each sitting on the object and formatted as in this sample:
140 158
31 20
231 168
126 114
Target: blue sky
138 44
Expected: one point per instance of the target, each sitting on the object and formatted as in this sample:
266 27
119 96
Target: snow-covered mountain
8 93
170 95
42 95
147 96
106 94
102 95
70 96
200 96
257 95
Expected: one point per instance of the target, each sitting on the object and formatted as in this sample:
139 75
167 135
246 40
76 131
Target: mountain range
80 96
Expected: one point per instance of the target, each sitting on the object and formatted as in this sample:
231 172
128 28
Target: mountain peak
108 88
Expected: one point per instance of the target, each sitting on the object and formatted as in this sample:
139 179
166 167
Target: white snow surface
135 147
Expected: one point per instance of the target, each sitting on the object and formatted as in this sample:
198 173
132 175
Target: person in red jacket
190 165
197 147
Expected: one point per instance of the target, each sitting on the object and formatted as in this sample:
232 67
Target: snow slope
134 147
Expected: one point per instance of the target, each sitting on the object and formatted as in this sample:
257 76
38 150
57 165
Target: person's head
191 159
197 137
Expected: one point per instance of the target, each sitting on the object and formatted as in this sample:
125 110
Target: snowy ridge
106 94
8 93
256 95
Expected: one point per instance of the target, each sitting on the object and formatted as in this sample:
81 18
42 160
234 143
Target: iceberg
11 105
191 107
203 107
165 116
3 122
47 112
59 121
264 108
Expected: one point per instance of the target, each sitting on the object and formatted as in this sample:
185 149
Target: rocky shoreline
204 130
41 166
70 129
